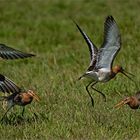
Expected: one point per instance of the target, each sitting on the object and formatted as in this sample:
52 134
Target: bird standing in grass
132 101
100 68
10 53
19 98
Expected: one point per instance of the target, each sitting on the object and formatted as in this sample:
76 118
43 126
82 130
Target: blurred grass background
45 28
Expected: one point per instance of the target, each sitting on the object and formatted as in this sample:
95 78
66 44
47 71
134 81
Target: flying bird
10 53
100 68
132 101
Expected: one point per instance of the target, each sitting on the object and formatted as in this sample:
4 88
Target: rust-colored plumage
25 98
19 98
118 69
132 101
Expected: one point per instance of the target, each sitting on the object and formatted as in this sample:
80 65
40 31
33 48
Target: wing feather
110 46
6 85
92 48
10 53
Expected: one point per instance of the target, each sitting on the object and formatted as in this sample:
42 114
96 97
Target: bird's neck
112 74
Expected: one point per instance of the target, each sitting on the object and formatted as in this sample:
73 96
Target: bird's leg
92 101
23 111
6 112
98 91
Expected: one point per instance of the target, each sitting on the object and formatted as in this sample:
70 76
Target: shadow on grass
15 120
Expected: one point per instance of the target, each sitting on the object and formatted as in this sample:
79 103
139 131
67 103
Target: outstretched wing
10 53
8 86
111 44
92 48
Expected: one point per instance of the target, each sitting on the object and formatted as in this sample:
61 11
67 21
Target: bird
20 98
132 101
101 60
7 52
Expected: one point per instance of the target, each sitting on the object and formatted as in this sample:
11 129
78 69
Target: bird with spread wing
100 68
18 97
10 53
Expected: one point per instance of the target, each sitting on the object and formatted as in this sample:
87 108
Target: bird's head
118 69
33 94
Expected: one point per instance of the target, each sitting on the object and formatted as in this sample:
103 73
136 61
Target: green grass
65 112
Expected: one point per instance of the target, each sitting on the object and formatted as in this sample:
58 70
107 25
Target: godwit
100 68
10 53
132 101
19 98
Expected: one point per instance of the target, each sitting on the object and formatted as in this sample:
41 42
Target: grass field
45 28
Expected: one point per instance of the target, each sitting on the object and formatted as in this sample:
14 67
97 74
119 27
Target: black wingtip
29 55
109 22
109 19
73 20
25 55
8 57
76 24
78 27
2 78
32 55
7 52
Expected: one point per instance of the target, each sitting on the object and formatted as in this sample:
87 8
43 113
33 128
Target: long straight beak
81 77
123 102
35 96
125 73
129 73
